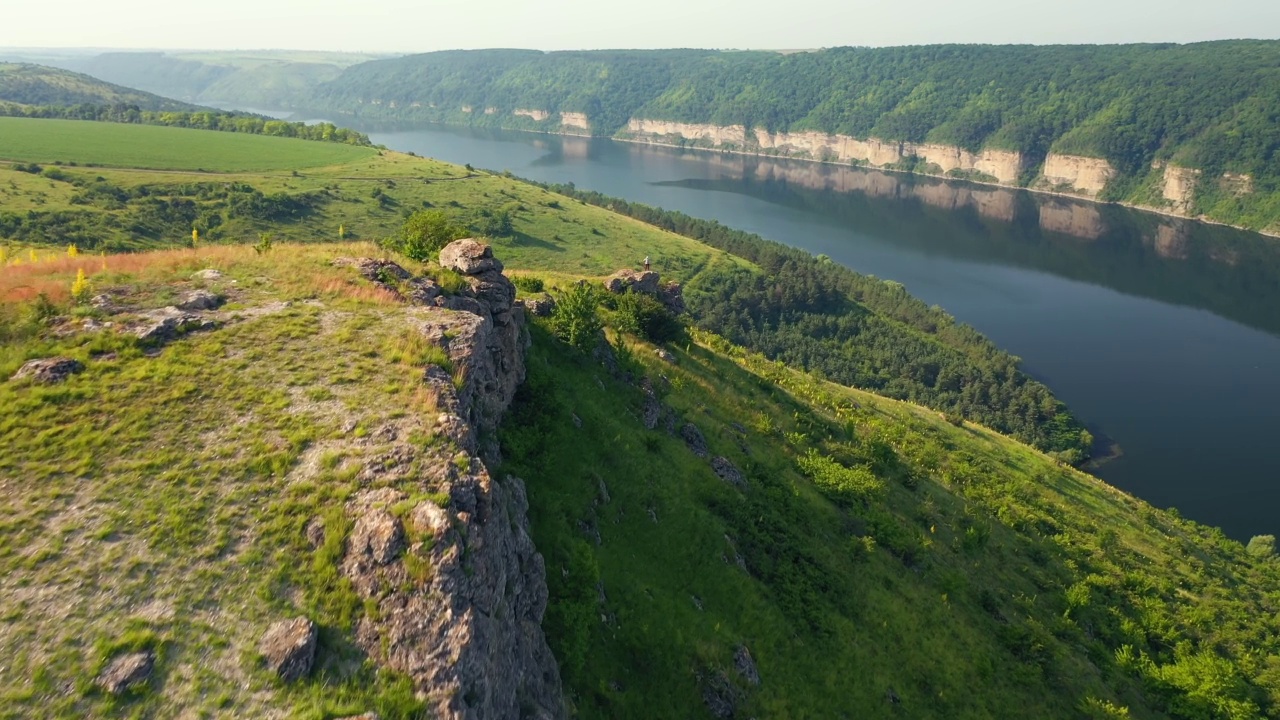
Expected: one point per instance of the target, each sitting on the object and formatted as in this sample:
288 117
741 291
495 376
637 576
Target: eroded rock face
468 629
48 370
126 671
289 648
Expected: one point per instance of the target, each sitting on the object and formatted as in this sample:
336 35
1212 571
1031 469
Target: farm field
163 148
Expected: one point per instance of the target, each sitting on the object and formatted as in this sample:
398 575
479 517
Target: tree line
223 121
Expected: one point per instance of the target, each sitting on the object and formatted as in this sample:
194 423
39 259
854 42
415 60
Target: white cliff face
1003 165
575 120
735 135
1180 187
537 115
1082 174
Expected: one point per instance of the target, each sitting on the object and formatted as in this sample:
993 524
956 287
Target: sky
423 25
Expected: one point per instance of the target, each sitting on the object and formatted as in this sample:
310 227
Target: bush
528 283
577 318
425 233
640 314
1262 546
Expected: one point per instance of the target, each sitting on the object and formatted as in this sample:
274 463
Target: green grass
163 148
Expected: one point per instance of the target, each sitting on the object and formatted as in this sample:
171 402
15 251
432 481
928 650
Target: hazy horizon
402 26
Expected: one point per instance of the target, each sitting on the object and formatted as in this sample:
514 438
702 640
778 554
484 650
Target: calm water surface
1161 334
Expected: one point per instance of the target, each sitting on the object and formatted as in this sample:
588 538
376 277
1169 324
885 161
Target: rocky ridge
444 552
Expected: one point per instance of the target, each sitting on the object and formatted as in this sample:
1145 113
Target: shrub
80 294
640 314
424 233
577 318
528 283
1262 546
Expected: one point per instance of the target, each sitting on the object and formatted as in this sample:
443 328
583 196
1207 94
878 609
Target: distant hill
265 79
29 84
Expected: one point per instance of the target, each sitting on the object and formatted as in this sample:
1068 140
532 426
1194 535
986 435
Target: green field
163 148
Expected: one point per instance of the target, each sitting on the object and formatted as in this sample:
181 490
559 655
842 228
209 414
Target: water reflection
1226 271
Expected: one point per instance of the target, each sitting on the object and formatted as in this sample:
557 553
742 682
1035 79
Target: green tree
425 232
577 317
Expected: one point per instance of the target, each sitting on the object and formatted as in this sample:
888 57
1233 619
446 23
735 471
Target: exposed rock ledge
459 588
1003 165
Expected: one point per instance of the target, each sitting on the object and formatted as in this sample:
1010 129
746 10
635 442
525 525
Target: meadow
162 148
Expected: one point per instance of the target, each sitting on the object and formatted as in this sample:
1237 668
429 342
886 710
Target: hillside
857 329
721 536
266 79
27 84
1181 128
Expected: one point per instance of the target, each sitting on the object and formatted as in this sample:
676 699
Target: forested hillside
268 80
28 84
1098 120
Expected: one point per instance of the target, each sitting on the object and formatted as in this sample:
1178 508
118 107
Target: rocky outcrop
458 586
289 648
537 115
647 282
197 300
48 370
1075 173
126 672
1180 187
168 323
575 120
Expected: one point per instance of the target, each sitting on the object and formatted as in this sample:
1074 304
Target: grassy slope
998 584
162 148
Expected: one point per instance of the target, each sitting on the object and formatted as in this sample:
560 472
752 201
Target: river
1161 334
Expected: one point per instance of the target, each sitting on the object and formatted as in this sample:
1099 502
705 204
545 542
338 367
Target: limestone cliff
1004 166
575 120
1180 187
1085 175
439 548
537 115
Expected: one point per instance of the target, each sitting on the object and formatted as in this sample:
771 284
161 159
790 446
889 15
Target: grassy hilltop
873 559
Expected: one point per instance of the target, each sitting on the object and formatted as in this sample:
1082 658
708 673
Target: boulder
745 665
48 370
206 274
642 282
728 472
197 300
469 257
379 271
672 297
543 306
126 671
431 519
665 356
379 535
168 323
289 648
314 531
694 439
423 291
